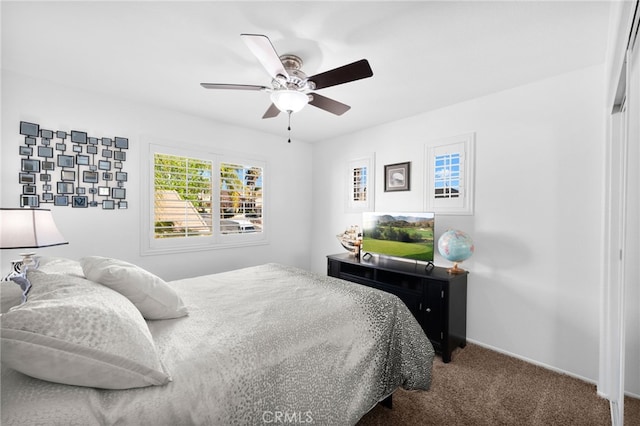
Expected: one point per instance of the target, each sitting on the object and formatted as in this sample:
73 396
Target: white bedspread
260 344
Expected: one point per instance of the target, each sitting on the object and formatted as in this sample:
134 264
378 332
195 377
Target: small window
447 175
360 184
450 163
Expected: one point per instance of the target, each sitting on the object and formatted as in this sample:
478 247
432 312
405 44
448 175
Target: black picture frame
122 143
79 201
61 147
45 151
108 205
61 134
78 137
29 201
104 165
29 189
26 150
118 193
30 141
82 160
90 177
66 160
64 188
60 200
48 165
104 191
26 178
120 155
106 141
68 175
29 129
30 165
47 196
46 134
121 176
397 177
92 149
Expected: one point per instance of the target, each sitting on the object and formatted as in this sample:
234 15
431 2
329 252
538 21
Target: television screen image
402 235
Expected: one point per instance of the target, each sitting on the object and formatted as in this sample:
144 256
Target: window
182 197
240 199
450 175
446 175
198 200
360 185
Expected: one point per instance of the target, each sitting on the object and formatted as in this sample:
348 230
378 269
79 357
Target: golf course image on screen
404 235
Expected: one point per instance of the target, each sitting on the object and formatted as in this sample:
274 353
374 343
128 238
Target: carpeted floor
483 387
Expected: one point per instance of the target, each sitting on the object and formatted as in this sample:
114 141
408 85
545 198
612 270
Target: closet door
620 331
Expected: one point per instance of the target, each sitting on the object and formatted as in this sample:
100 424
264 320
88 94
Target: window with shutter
240 199
182 197
450 175
198 200
360 183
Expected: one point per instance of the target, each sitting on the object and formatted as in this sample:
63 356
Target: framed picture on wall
397 177
60 200
30 165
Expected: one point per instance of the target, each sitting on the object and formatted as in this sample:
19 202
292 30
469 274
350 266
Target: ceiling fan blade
232 86
261 47
271 112
344 74
328 104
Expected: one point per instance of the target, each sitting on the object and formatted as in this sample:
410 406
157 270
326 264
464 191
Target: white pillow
59 265
151 295
77 332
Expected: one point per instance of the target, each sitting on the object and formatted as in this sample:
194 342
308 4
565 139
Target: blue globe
455 246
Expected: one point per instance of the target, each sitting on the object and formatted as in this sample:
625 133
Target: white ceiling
424 55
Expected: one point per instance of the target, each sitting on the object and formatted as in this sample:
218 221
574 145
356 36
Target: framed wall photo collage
71 169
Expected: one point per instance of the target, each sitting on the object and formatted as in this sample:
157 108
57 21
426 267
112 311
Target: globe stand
455 270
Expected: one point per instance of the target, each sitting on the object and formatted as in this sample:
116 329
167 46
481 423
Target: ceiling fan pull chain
289 127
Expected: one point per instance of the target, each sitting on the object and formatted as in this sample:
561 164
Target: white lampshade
22 228
289 100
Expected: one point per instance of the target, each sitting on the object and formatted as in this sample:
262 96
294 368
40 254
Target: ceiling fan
291 88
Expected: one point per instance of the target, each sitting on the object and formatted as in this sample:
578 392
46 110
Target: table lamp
26 228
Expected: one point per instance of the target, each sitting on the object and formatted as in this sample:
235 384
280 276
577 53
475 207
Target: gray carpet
483 387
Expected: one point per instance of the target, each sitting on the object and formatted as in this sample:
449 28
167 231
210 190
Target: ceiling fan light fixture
289 100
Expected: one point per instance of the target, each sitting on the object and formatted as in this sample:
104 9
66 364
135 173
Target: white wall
535 276
117 233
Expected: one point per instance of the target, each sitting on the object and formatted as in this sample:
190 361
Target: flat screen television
398 234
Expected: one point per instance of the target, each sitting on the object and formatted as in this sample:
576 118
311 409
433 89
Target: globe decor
455 246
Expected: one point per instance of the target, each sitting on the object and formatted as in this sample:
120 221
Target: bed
258 345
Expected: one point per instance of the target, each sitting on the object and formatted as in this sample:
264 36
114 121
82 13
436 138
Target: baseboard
534 362
632 395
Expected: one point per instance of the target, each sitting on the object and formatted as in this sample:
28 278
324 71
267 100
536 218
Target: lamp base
19 267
